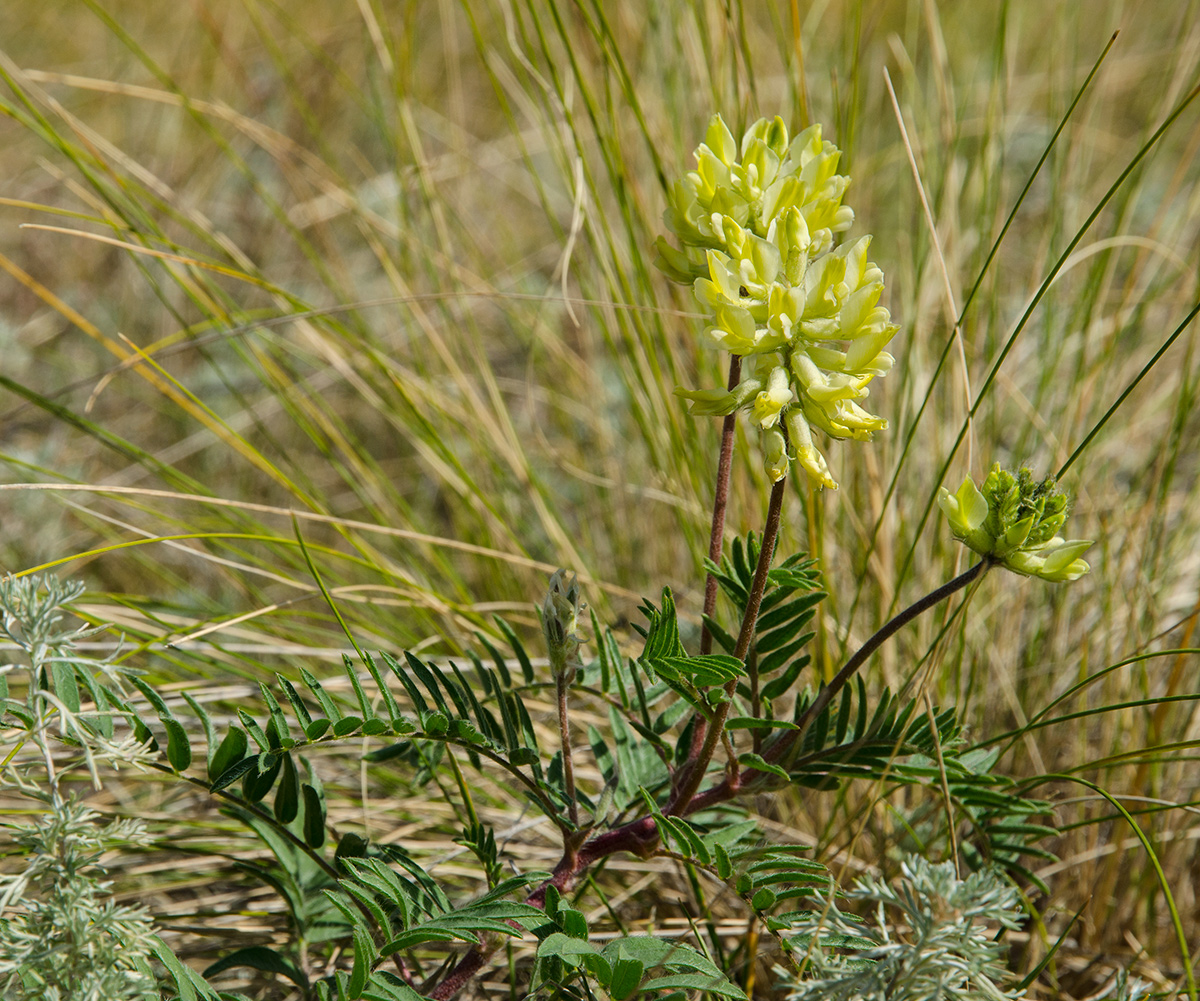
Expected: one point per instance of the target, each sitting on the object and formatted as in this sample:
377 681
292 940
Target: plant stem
889 629
693 771
568 765
716 539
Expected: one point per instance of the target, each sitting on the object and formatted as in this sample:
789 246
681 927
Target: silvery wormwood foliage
61 934
756 225
932 936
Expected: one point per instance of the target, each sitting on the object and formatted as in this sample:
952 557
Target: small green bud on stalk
560 619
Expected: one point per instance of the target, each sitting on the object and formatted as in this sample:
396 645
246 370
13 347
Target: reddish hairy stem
693 771
568 763
716 539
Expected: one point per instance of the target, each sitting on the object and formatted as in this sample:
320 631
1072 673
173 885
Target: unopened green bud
560 619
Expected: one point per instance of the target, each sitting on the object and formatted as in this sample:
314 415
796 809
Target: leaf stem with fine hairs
889 629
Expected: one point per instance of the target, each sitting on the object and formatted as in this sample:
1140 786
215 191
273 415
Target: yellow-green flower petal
775 457
769 403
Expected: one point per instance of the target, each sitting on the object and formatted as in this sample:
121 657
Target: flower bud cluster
560 620
756 225
1014 521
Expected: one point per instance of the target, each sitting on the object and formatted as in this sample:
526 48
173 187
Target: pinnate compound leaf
662 638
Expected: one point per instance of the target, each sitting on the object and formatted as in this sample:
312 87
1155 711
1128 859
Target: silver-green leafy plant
62 936
927 937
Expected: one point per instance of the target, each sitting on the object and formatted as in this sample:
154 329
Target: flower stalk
692 773
560 620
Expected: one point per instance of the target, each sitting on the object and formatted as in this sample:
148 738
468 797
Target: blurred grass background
388 265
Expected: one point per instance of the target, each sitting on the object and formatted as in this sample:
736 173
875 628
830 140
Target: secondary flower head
756 225
1014 521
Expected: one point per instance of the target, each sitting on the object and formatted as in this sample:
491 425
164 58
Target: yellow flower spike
755 223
